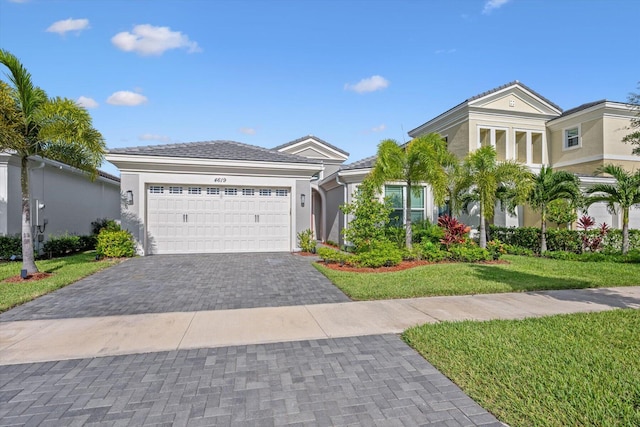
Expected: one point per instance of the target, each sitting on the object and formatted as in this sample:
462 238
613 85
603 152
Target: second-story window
572 137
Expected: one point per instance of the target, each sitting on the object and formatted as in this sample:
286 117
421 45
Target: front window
396 195
572 137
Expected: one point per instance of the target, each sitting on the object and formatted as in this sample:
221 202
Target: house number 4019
220 180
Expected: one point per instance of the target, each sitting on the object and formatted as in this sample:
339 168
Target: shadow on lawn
597 296
521 282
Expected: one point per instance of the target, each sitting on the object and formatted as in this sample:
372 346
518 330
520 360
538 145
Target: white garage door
202 219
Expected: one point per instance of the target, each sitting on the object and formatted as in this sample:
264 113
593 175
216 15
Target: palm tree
34 125
622 194
422 161
550 185
484 178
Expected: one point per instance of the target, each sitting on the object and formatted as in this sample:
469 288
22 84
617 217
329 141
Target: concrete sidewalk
62 339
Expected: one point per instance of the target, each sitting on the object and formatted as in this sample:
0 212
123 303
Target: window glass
572 137
394 193
417 202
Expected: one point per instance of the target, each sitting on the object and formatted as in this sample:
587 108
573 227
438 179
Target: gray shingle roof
365 163
220 150
580 108
322 141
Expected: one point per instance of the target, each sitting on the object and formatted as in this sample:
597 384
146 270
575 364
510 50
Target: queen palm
34 125
484 178
622 194
421 161
550 185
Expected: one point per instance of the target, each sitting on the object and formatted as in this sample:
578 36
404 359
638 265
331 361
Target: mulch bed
404 265
30 278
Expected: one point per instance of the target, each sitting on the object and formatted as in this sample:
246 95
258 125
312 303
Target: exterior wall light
129 197
302 198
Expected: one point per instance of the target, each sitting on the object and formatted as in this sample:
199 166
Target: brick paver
374 380
175 283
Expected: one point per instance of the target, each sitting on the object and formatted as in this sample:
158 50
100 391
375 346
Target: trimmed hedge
560 239
115 244
10 246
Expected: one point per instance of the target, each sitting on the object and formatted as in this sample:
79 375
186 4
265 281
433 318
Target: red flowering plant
455 232
591 241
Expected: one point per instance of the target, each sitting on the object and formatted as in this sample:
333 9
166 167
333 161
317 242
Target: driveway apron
186 283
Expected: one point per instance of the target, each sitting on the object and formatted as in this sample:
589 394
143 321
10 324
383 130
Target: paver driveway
173 283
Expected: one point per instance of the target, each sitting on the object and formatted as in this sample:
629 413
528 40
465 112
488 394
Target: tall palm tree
483 176
622 194
550 185
35 125
422 161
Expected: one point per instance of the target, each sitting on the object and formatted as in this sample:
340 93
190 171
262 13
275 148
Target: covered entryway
208 219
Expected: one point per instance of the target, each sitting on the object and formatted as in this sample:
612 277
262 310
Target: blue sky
350 72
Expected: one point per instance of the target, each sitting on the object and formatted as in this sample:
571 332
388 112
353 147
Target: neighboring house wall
71 200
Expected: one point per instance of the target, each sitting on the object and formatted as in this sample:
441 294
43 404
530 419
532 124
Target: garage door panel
200 219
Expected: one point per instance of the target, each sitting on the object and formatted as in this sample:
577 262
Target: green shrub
424 231
496 249
332 243
396 235
104 223
10 246
518 250
433 252
380 254
88 243
613 241
58 246
467 252
564 240
415 253
631 257
307 242
115 244
329 255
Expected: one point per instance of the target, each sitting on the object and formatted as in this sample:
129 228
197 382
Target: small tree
622 194
550 185
421 161
371 216
561 211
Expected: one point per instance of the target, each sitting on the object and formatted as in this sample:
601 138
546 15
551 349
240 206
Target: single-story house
63 198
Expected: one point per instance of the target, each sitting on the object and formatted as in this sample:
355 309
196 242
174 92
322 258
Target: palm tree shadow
602 296
522 282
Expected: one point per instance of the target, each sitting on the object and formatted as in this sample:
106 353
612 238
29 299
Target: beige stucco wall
614 129
458 139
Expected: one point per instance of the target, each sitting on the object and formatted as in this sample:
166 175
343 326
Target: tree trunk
407 220
543 232
483 233
487 228
28 261
625 231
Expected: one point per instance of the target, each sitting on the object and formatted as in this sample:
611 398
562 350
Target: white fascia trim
455 114
354 172
157 160
306 141
596 158
508 88
615 109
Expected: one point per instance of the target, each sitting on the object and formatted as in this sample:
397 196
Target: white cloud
66 25
149 40
154 137
87 102
370 84
379 128
493 4
248 131
125 97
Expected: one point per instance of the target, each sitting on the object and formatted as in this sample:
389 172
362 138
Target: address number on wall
220 180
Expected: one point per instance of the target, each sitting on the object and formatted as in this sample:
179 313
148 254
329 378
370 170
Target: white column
529 148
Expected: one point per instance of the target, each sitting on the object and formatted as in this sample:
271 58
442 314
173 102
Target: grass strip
520 274
64 271
568 370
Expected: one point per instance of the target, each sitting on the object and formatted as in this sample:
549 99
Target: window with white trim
213 191
156 189
230 191
265 191
175 190
195 190
282 193
572 137
397 194
248 191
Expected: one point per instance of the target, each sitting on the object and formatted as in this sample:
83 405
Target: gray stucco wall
130 214
71 200
334 215
302 214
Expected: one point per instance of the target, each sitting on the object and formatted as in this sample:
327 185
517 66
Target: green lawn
520 274
570 370
64 272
